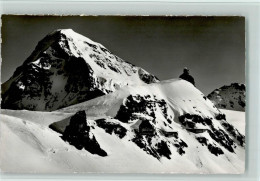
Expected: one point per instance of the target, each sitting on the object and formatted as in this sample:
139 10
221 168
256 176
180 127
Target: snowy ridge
179 94
230 97
67 68
181 119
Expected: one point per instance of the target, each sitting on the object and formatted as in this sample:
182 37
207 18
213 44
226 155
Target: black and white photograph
123 94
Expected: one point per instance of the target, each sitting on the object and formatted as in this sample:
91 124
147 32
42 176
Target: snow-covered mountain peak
67 68
77 39
69 33
230 97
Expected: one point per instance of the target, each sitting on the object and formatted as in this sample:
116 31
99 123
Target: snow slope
67 68
181 96
43 118
170 106
41 150
231 97
236 118
113 120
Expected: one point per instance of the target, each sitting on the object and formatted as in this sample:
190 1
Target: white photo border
249 9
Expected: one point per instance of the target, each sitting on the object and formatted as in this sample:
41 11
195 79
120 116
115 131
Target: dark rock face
57 74
57 80
222 138
160 149
218 134
39 85
189 120
180 147
163 149
146 77
239 138
220 116
146 128
78 134
230 97
147 137
135 104
215 150
146 105
111 127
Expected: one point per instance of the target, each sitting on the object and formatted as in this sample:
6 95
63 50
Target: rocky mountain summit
67 68
230 97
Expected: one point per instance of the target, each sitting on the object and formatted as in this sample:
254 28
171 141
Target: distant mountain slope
234 118
67 68
230 97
